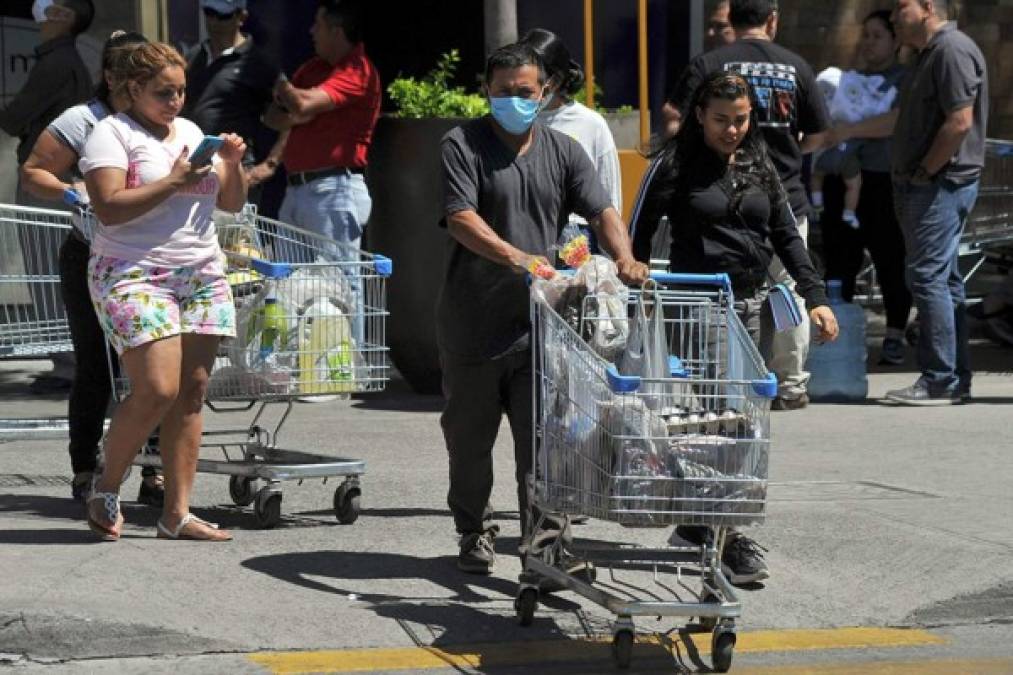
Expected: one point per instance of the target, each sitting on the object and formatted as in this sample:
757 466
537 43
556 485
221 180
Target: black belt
303 177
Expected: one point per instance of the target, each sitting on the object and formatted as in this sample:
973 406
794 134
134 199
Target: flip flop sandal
108 527
178 533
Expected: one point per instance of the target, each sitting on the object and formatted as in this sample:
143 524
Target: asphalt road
894 520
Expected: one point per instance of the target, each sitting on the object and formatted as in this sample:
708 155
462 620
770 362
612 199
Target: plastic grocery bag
646 353
592 302
309 285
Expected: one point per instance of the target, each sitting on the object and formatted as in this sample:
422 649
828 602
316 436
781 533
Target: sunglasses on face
214 14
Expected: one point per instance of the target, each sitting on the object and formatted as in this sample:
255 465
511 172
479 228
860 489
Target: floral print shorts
138 302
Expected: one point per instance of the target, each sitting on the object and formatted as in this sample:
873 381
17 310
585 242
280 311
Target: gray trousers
786 352
478 394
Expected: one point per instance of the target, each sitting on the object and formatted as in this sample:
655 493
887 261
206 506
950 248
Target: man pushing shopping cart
509 186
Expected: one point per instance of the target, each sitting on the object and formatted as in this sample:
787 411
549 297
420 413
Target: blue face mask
514 114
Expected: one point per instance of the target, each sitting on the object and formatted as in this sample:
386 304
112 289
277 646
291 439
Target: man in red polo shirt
329 110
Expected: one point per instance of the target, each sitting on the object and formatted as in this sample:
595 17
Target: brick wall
827 32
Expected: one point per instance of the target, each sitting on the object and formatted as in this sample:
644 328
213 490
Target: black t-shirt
724 220
789 102
526 199
232 93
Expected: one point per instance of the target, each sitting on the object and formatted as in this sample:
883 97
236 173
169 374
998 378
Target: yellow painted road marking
555 651
940 667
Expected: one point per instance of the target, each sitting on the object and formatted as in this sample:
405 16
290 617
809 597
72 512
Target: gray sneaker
478 553
919 395
795 403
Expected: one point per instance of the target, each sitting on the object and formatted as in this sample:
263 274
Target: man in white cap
229 83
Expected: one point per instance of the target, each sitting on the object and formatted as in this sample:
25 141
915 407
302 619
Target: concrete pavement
878 517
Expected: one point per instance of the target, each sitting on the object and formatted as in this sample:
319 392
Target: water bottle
838 368
275 326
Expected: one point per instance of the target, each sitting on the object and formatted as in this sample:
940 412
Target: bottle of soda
275 325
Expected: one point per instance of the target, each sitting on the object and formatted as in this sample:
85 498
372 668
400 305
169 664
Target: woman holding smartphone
157 279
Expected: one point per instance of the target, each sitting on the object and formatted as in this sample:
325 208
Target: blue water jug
838 368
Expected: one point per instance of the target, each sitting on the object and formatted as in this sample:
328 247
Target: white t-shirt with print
180 230
591 130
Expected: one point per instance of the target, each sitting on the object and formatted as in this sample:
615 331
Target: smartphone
205 151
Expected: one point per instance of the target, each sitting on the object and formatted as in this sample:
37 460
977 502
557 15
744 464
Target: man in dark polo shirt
229 85
938 152
794 120
510 185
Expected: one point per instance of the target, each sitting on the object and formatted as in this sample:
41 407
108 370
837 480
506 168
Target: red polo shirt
338 137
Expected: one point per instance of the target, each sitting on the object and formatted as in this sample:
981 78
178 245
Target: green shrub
581 97
432 97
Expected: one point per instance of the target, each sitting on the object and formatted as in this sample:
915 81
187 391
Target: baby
851 97
839 161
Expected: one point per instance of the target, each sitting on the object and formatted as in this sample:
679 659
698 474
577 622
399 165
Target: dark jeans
478 394
932 218
91 388
879 232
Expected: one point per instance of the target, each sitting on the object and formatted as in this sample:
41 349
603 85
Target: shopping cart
311 322
33 319
988 235
687 449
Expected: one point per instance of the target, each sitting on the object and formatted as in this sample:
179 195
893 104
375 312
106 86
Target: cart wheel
242 490
267 508
346 504
622 648
526 604
722 649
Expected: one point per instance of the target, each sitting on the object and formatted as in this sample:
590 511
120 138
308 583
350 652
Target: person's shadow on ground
475 613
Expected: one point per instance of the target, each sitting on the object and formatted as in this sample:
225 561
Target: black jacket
723 220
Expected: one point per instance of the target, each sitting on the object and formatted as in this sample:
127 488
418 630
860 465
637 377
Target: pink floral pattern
137 303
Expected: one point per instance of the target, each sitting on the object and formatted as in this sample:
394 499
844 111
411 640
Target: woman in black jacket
728 213
727 209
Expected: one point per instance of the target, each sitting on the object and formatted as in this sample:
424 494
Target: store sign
18 38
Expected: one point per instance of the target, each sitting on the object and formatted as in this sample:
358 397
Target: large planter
405 184
625 128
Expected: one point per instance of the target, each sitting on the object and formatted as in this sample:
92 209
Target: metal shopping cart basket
33 319
688 449
989 230
311 322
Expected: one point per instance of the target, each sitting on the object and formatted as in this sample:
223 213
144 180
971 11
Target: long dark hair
111 51
684 152
556 59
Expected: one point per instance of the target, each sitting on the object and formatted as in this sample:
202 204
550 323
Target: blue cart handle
722 280
72 197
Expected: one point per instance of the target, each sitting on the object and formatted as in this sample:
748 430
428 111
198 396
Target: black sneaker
796 403
152 495
478 553
80 487
892 353
579 570
694 534
742 561
918 394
